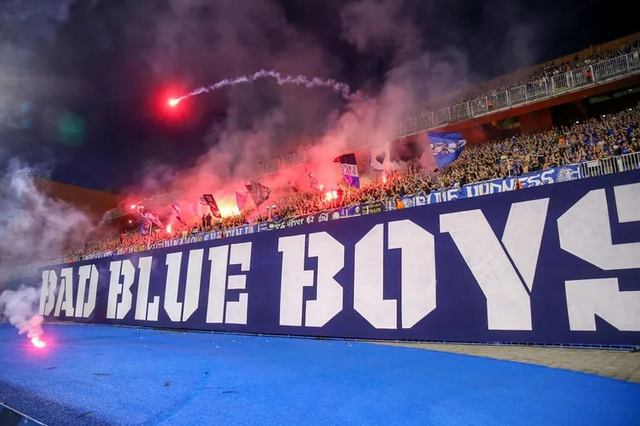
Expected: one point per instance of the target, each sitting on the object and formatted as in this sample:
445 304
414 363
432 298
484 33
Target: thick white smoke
34 227
19 307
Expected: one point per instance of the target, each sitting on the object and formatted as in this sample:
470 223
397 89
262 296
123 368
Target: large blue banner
494 186
551 264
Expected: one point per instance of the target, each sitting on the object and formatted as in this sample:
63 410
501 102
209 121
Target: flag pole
149 236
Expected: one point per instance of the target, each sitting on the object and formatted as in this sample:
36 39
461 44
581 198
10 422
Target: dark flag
178 212
144 227
349 169
211 202
259 192
313 182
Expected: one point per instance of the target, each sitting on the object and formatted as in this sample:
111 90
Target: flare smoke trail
299 80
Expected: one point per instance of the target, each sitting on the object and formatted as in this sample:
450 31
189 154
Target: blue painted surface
94 374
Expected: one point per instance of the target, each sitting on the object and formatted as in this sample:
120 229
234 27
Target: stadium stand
591 67
595 144
583 143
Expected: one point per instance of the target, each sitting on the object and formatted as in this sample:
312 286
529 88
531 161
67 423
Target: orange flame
228 208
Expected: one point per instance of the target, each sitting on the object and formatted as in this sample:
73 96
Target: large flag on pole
259 192
446 147
211 202
378 157
349 169
148 215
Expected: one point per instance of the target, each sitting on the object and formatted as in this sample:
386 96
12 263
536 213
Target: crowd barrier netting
555 264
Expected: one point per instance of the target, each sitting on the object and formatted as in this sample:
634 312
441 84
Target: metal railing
607 166
546 87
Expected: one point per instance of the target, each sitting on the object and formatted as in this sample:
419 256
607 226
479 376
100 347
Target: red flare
38 343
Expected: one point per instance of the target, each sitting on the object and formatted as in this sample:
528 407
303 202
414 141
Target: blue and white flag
144 227
446 147
149 216
349 169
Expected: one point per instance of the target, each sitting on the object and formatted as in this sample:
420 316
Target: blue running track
100 374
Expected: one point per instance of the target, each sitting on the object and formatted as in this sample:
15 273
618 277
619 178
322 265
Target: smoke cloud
264 120
19 307
384 49
34 227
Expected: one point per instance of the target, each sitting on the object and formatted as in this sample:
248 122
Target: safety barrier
607 166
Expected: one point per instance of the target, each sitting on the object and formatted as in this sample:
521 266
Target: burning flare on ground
20 307
38 343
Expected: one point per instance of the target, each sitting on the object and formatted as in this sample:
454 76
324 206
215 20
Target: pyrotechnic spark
38 343
331 195
342 89
169 229
227 209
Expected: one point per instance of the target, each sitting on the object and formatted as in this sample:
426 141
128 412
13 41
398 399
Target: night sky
82 83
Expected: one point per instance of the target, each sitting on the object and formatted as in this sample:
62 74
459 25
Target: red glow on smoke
40 344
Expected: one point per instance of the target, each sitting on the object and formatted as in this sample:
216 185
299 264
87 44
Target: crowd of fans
542 74
593 139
